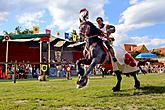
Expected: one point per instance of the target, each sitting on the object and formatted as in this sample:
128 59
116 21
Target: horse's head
84 15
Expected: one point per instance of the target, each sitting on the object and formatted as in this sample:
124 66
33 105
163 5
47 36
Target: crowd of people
149 68
24 70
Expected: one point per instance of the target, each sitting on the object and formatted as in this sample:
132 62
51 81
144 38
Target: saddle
107 63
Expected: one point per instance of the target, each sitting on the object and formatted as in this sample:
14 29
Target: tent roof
55 40
25 37
76 44
146 55
29 36
1 37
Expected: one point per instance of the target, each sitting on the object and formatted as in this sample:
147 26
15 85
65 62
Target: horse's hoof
115 89
82 82
78 86
137 85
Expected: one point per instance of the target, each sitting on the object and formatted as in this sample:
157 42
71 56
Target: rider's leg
110 49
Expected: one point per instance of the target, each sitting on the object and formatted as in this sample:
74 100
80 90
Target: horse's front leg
81 71
84 79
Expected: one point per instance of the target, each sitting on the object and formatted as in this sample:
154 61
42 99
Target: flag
44 38
58 33
35 29
74 37
48 31
66 35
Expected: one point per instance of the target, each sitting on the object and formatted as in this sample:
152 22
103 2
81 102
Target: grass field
61 94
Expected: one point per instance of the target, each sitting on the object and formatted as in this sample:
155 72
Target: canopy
76 44
1 37
146 55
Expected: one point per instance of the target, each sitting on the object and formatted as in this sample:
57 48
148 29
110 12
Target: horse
95 53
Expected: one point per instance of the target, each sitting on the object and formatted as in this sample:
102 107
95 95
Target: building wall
162 59
20 51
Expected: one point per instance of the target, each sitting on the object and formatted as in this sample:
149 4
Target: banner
47 31
66 35
44 38
74 37
35 29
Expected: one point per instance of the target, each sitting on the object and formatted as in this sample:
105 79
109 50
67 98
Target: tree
18 31
8 33
157 52
135 53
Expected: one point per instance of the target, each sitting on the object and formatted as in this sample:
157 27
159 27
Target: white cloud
3 16
65 14
30 19
142 14
139 40
133 2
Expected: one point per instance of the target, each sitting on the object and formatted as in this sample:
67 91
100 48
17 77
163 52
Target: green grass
61 94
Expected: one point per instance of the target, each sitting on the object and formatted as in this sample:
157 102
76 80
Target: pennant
74 37
35 29
44 38
66 35
48 31
58 33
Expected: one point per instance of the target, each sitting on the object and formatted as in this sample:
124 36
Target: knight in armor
88 30
90 33
107 30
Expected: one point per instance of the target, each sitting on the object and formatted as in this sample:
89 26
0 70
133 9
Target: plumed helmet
84 15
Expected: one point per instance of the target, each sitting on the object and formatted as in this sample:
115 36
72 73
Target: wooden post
40 55
7 45
49 54
14 77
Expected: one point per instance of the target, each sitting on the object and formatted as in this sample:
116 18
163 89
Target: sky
136 21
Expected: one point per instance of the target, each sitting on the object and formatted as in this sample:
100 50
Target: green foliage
154 51
61 94
135 53
18 31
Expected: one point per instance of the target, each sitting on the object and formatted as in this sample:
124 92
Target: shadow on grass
145 90
153 89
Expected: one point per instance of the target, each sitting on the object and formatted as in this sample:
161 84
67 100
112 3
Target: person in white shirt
107 30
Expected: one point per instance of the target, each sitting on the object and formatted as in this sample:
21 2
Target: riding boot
111 51
112 54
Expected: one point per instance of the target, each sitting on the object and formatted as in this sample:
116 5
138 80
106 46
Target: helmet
83 15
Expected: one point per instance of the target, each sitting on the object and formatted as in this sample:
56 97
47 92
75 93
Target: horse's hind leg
137 82
119 78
